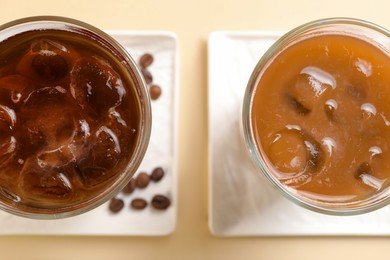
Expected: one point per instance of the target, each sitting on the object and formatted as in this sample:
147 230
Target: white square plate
241 203
162 151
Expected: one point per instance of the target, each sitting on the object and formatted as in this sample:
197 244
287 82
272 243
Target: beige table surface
193 21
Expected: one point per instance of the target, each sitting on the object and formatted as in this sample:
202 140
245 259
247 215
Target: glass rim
372 203
140 90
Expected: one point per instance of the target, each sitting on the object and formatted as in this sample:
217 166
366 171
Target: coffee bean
130 187
138 203
146 60
147 75
157 174
116 205
155 91
160 202
142 180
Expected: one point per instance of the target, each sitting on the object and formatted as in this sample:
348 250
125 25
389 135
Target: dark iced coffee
69 119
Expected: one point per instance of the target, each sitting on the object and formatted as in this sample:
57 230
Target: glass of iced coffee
316 116
75 117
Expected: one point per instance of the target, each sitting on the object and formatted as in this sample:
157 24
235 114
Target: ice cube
307 87
95 85
319 79
106 150
61 156
49 65
45 98
49 120
365 173
66 143
363 168
38 183
296 156
100 162
288 152
47 45
47 60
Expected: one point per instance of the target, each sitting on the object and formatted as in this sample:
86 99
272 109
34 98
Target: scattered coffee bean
130 187
116 205
138 203
147 75
142 180
160 202
146 60
157 174
155 91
